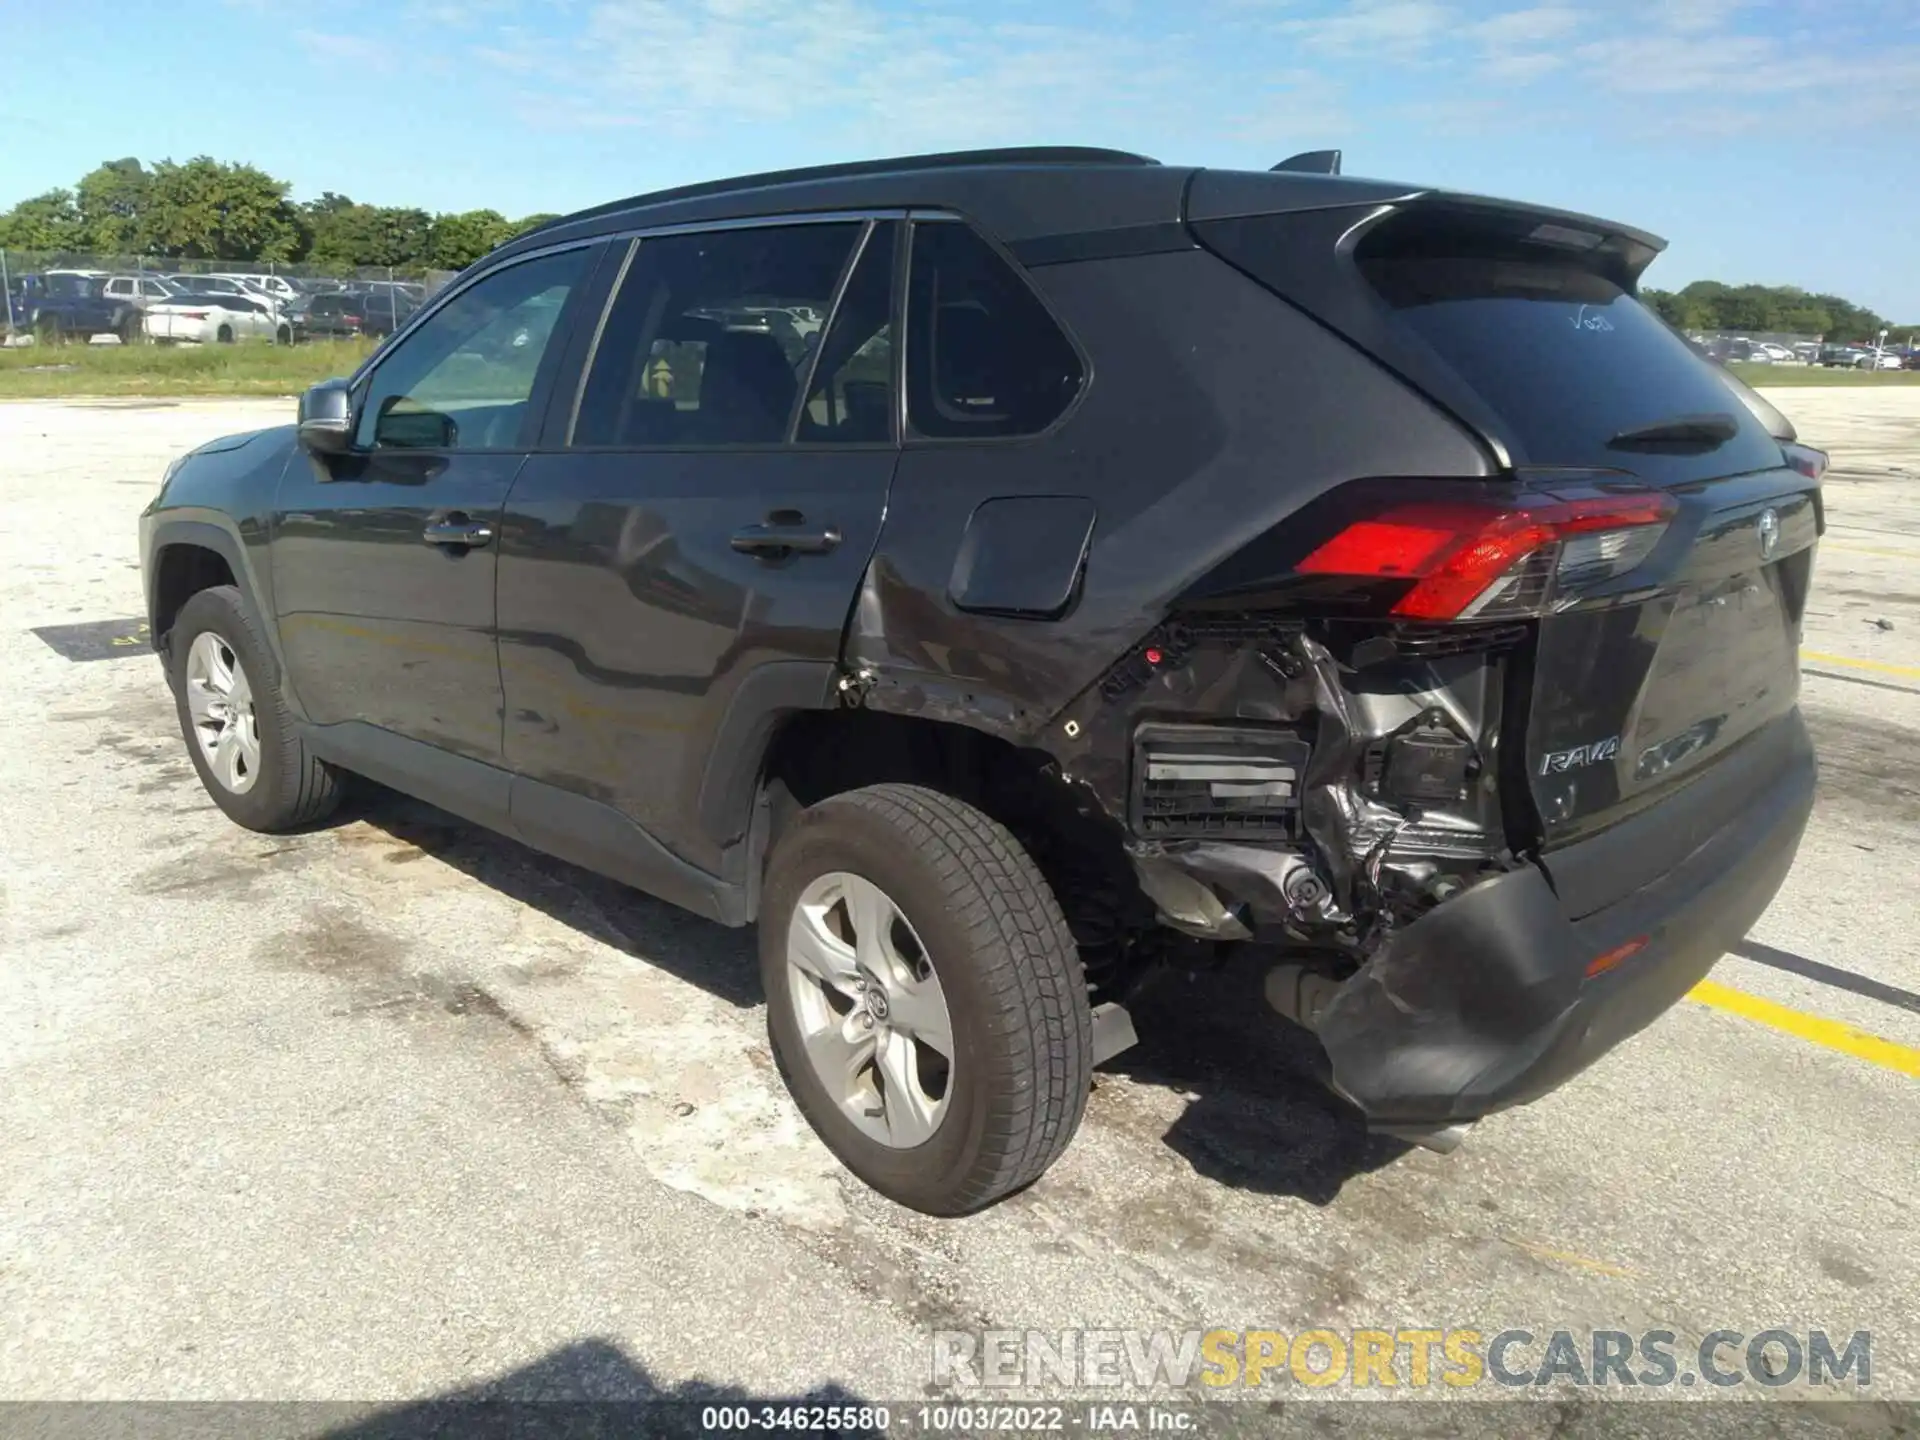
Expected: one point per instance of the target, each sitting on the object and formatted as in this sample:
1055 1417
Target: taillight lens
1806 460
1476 561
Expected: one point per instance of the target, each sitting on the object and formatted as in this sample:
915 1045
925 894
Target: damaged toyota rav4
999 575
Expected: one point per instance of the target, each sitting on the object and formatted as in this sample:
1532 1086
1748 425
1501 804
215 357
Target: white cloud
1395 28
873 75
336 45
1535 26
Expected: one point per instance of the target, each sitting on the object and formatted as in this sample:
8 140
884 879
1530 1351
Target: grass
1780 376
52 371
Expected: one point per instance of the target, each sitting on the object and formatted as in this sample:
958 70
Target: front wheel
925 1001
239 734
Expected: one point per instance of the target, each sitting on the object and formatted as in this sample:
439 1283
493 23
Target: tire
284 787
128 328
283 335
982 921
224 335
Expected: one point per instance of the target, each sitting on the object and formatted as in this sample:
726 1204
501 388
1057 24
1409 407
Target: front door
384 559
683 561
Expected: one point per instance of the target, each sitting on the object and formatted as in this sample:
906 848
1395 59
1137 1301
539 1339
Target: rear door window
711 337
984 358
851 400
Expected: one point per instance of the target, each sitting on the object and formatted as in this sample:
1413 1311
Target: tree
46 222
456 241
112 201
532 222
353 234
206 210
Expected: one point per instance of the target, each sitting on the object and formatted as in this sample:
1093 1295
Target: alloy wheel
220 704
871 1014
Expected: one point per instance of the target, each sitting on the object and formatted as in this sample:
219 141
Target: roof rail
946 160
1312 162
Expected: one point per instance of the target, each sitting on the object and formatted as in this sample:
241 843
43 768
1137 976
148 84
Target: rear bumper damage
1510 988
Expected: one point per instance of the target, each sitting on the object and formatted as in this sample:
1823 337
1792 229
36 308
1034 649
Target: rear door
1665 646
678 564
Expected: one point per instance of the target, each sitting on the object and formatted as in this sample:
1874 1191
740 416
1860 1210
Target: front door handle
773 541
457 529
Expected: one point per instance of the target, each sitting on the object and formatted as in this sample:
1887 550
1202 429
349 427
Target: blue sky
1770 140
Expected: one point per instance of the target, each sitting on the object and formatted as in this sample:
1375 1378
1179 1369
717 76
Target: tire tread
1039 1016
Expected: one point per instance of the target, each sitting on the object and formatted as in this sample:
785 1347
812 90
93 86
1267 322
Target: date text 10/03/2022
961 1419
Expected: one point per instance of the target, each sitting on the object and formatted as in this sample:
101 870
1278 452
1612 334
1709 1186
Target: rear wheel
924 997
283 335
239 735
224 335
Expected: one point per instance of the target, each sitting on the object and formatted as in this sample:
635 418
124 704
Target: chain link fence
62 297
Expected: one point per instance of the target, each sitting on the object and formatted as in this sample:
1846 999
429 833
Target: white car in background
223 285
272 287
216 318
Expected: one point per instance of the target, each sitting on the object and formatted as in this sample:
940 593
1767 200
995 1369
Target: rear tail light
1806 460
1477 561
193 314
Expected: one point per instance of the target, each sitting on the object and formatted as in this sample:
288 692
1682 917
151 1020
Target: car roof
1038 200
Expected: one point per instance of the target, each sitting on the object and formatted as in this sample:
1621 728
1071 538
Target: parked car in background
1841 356
139 290
212 285
275 287
1877 359
345 314
64 305
215 318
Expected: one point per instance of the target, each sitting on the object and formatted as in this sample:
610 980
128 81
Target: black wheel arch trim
767 696
227 544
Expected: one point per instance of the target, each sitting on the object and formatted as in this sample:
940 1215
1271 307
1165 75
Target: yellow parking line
1884 667
1829 1034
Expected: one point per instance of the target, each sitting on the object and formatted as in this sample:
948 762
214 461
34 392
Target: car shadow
1260 1116
592 1388
1262 1120
719 960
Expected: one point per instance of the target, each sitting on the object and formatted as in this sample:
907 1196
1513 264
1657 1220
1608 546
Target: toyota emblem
1769 527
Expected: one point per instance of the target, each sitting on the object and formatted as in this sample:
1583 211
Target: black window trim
550 361
910 439
637 237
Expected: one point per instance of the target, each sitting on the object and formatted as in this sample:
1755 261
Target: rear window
1565 357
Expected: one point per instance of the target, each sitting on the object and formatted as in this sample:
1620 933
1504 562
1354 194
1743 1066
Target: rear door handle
457 529
772 541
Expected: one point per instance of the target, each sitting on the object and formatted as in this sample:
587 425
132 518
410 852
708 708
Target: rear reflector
1604 962
1475 561
1806 460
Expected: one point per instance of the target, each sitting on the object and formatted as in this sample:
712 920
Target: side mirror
326 418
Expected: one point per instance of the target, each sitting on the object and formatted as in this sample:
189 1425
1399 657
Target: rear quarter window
985 359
